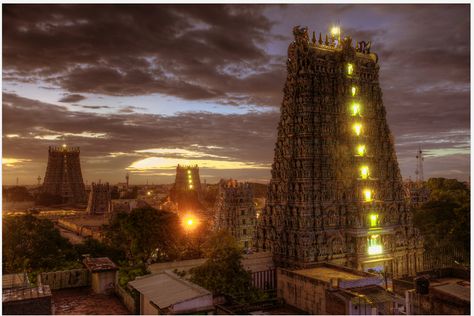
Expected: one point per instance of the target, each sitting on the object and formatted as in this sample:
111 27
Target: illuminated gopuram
186 191
235 211
63 175
100 200
336 192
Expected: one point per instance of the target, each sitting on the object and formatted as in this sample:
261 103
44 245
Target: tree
444 220
144 235
223 272
31 244
17 194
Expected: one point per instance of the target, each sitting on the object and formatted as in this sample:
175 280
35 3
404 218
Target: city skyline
141 89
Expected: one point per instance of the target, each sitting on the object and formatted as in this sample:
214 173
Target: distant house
166 293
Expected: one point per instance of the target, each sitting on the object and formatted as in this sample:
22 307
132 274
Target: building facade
235 211
63 175
100 201
336 193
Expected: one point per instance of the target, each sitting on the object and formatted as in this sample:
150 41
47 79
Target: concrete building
20 298
331 289
103 273
444 291
166 293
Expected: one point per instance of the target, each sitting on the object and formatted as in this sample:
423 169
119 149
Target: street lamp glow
190 222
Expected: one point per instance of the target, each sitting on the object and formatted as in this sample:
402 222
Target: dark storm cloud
139 49
247 138
72 98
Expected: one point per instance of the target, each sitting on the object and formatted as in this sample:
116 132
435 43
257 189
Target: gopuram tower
186 191
63 175
336 194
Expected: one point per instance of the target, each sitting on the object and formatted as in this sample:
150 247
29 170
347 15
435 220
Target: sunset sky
141 88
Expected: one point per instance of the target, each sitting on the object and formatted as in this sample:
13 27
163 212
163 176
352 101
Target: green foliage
16 194
32 244
97 249
145 235
444 220
127 274
223 272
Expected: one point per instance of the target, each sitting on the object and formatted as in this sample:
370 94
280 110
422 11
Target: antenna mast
419 165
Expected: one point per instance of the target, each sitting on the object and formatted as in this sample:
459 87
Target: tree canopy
31 244
223 272
145 235
444 220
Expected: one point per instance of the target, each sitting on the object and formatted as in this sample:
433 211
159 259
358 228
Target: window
367 195
353 91
355 109
361 150
350 69
373 220
364 172
244 232
357 127
375 246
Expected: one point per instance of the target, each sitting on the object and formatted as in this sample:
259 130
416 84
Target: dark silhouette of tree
145 235
31 244
223 272
16 194
444 220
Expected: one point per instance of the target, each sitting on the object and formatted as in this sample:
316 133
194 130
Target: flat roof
459 290
166 289
99 264
326 273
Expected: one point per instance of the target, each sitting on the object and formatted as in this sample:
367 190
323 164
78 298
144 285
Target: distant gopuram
336 193
63 175
186 191
100 200
235 211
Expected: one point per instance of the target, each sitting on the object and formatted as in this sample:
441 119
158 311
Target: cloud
140 49
71 98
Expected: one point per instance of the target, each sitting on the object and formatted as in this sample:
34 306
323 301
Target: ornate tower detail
99 199
336 192
235 211
186 191
63 175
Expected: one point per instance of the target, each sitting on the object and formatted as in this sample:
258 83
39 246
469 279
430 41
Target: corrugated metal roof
15 280
167 289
